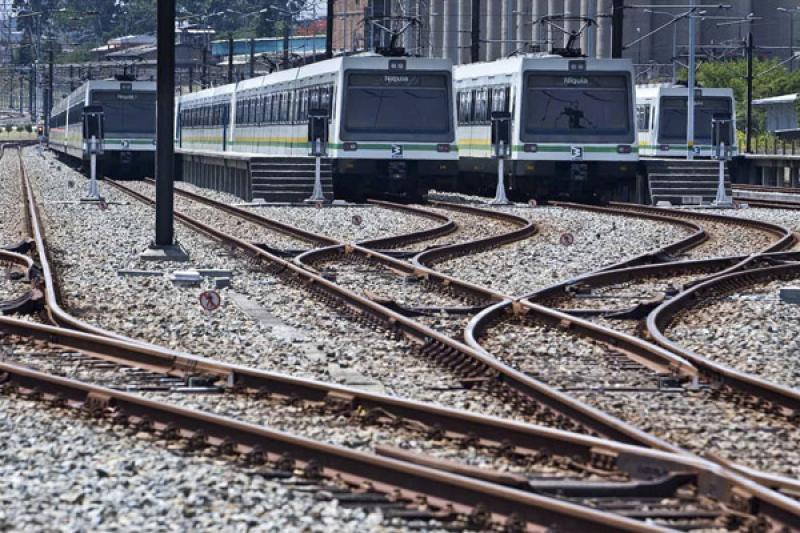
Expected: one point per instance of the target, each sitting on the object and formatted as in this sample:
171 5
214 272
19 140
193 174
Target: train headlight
126 144
350 147
443 148
664 148
531 148
624 149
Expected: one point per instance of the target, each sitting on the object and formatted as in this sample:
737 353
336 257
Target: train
390 121
129 113
661 112
573 127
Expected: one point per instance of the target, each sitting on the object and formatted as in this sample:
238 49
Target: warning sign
210 300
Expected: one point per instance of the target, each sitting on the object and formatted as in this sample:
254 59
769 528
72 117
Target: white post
722 200
317 196
93 194
591 31
690 105
500 197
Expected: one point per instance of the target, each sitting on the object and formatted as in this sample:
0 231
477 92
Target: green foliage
9 128
770 79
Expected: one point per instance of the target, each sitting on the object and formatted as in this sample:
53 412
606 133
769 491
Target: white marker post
501 137
93 194
719 128
317 136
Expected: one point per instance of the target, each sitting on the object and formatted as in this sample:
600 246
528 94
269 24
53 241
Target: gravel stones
541 260
12 214
760 334
337 222
66 474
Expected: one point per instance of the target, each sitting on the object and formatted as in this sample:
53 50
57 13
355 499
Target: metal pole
791 40
204 81
252 57
191 78
286 22
690 99
749 125
329 31
21 91
617 18
230 58
165 109
48 103
591 31
675 52
476 31
31 91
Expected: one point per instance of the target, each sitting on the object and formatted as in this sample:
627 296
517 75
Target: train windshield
127 112
402 106
672 119
577 107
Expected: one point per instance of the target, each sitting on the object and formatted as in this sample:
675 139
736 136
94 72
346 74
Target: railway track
678 511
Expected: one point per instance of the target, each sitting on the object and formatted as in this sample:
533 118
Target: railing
771 145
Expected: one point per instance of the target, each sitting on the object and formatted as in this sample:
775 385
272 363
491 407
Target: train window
500 99
407 106
562 107
643 117
672 118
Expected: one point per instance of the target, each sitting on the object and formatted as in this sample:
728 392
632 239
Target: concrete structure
781 112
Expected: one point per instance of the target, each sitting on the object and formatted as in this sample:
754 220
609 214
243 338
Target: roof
773 100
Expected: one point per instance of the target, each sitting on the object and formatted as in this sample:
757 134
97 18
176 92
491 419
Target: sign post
501 141
721 137
93 133
318 138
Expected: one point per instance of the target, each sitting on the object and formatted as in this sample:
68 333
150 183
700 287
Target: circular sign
210 300
357 220
102 205
567 239
532 202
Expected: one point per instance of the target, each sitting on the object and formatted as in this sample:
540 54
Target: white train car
391 124
661 112
573 125
129 110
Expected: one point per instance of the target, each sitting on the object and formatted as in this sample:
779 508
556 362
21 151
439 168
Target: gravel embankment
759 334
787 218
599 240
694 419
345 223
725 239
12 215
263 322
61 473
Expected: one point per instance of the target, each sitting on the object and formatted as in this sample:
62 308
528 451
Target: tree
769 79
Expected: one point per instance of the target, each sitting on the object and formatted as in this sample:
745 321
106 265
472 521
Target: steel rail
765 188
697 236
786 237
639 463
32 300
721 376
398 479
450 352
770 204
525 229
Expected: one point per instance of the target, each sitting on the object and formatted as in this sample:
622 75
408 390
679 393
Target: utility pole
617 19
749 125
204 81
690 95
286 23
230 58
252 57
31 92
21 91
164 245
48 102
476 31
329 31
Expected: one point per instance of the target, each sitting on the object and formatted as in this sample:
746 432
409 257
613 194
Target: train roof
319 69
655 91
519 64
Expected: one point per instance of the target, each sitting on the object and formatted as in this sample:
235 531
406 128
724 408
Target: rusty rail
412 484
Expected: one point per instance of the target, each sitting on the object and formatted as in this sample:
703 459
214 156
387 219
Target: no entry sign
210 300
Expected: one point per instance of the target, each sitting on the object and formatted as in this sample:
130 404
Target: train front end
393 133
576 129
